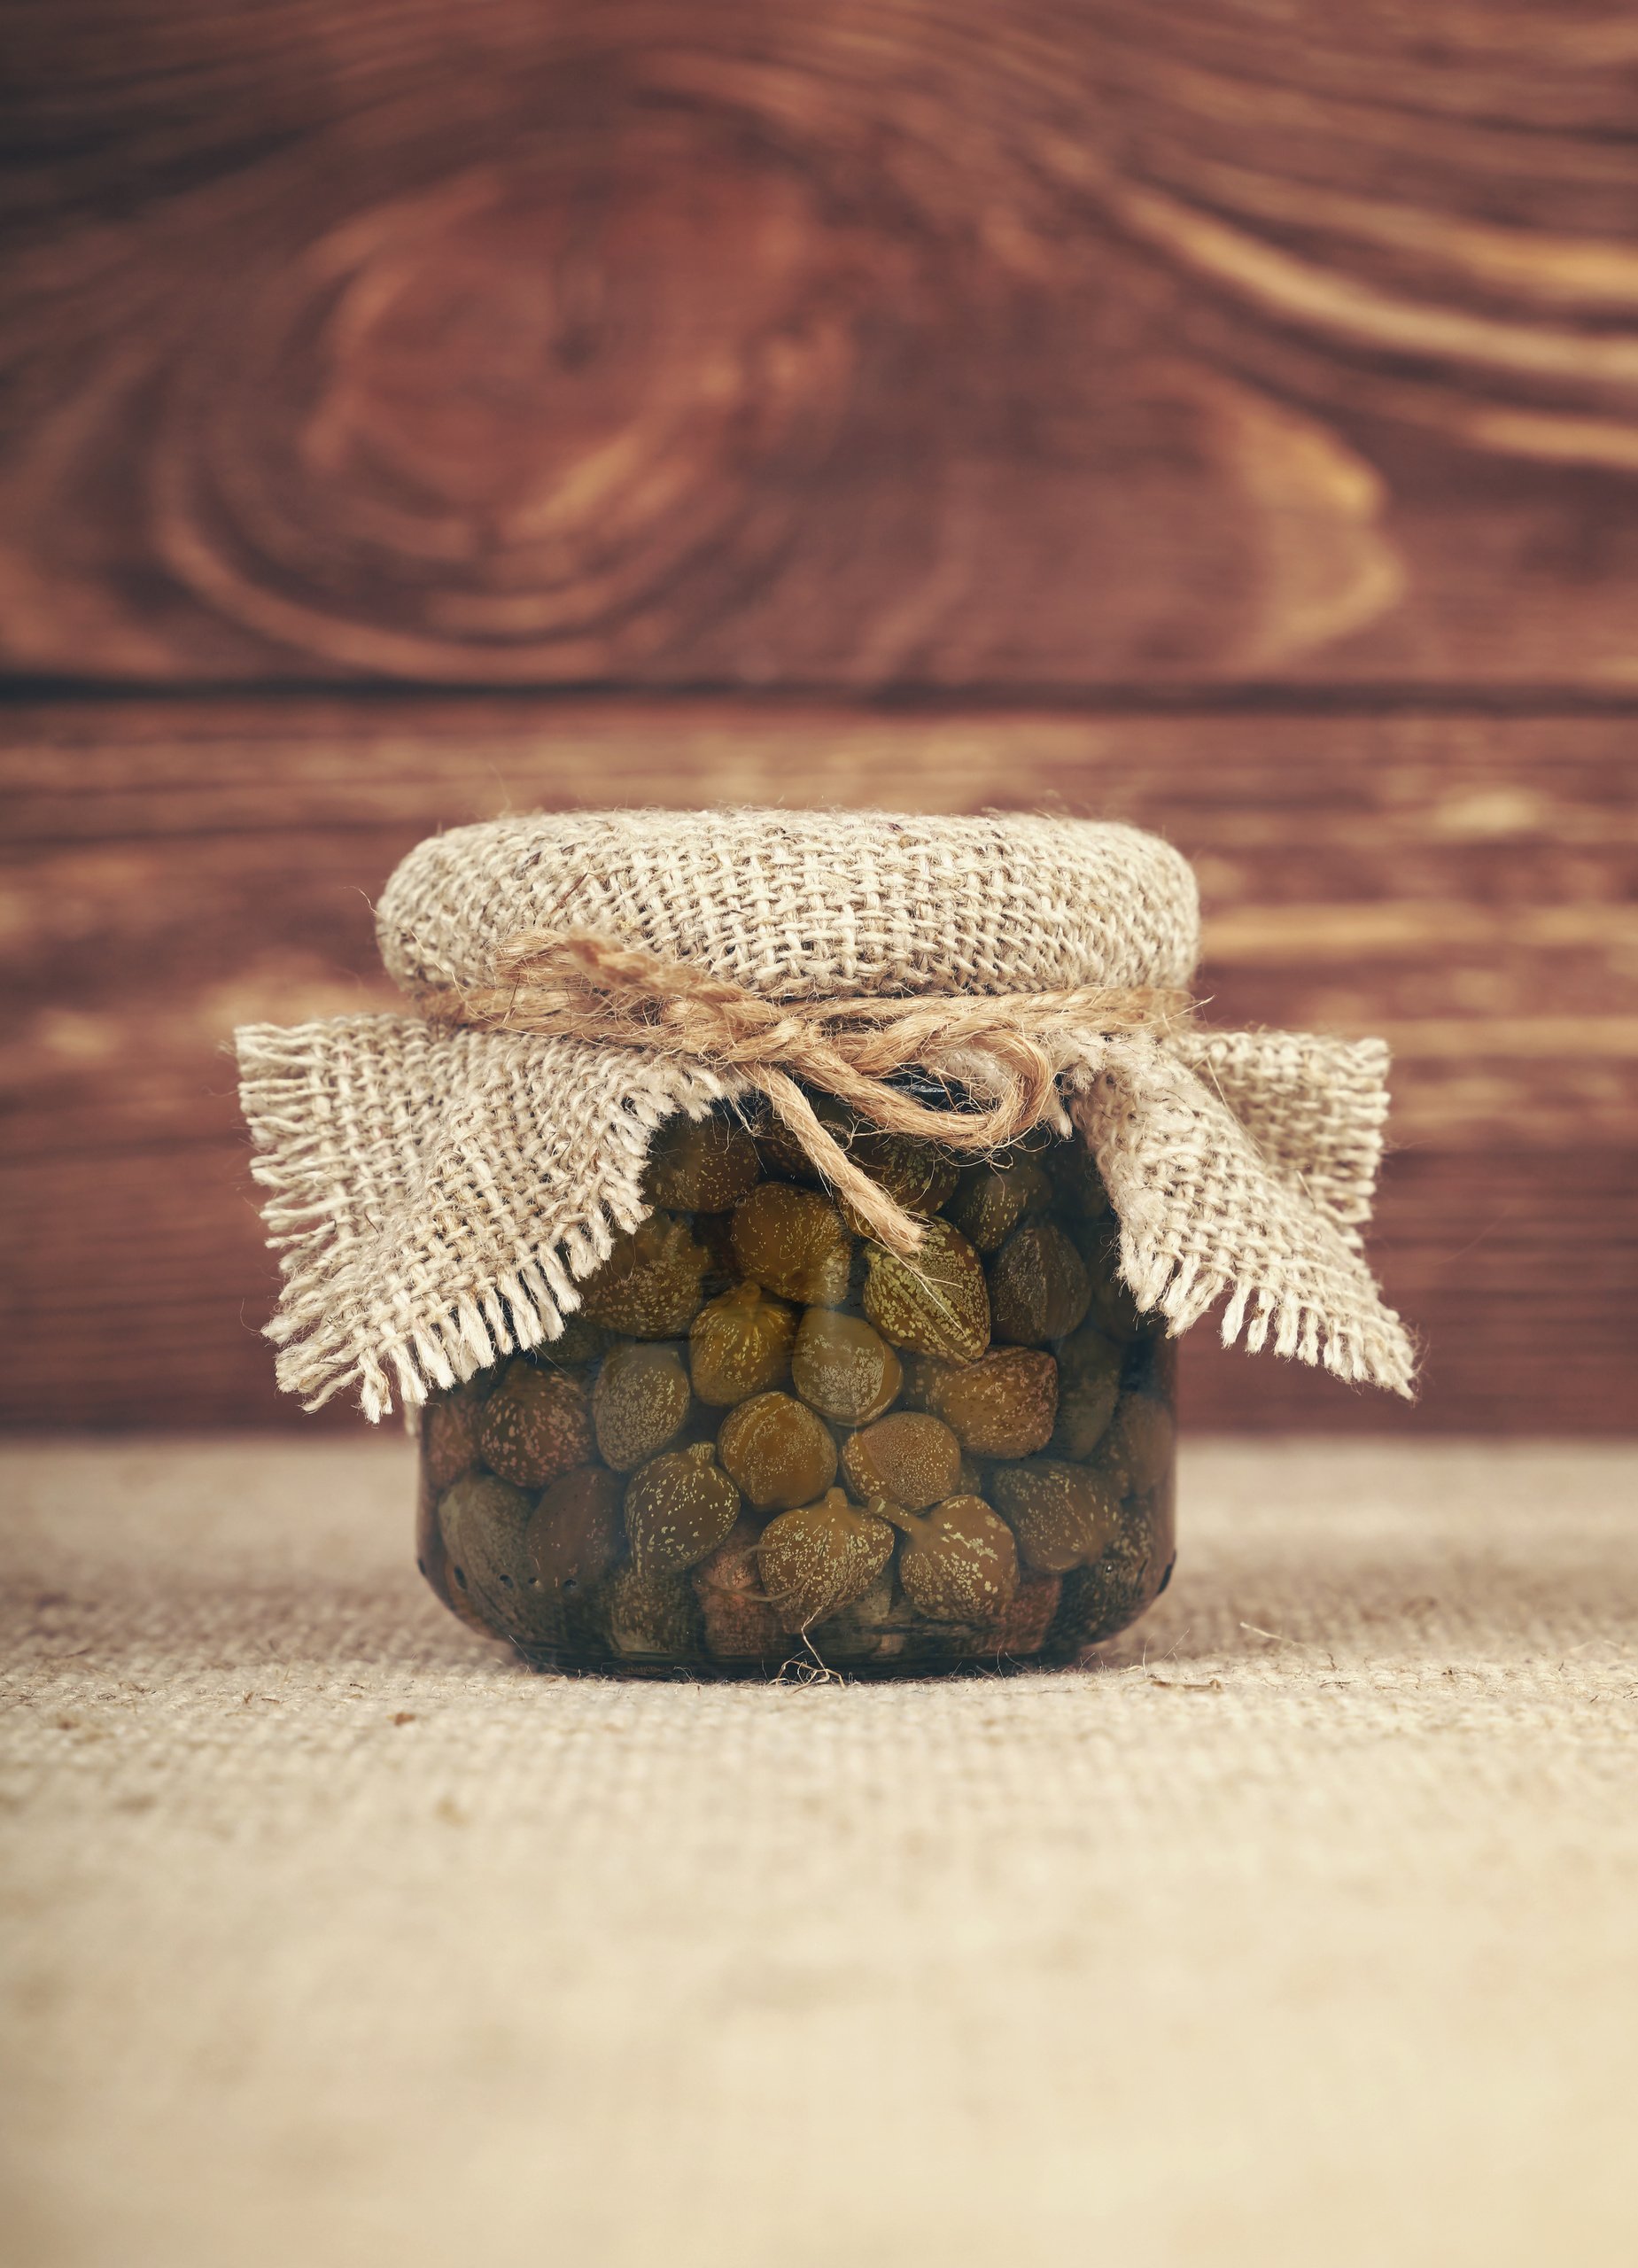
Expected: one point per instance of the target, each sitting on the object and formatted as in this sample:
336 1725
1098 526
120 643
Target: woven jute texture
436 1192
1299 1930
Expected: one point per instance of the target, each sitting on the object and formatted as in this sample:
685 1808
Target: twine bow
998 1057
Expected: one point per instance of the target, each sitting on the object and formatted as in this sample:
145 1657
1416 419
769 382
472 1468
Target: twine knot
996 1057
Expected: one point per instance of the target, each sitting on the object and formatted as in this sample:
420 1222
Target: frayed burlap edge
435 1195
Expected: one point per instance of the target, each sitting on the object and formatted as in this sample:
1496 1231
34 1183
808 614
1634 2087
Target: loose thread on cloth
1003 1053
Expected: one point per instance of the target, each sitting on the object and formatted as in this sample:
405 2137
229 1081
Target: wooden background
1217 414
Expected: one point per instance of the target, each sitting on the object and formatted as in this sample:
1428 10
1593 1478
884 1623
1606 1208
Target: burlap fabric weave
435 1192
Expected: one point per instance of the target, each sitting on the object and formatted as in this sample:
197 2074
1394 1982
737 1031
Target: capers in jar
1089 1386
639 1402
739 1623
1076 1183
579 1342
700 1165
843 1367
1137 1447
574 1534
957 1563
993 1198
910 1457
819 1557
793 1242
740 1345
777 1451
1005 1405
678 1507
649 1286
1063 1514
1038 1288
1024 1626
535 1425
933 1301
1112 1308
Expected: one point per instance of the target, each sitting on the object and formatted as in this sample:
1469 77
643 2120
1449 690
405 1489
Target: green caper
843 1367
700 1165
957 1563
932 1301
1002 1405
777 1451
1137 1447
1117 1586
1076 1182
917 1176
449 1448
1023 1627
649 1616
574 1534
910 1457
579 1342
792 1241
817 1560
1089 1386
740 1625
783 1154
993 1198
484 1523
639 1402
1063 1514
873 1627
1038 1288
678 1507
1112 1308
535 1425
740 1345
649 1286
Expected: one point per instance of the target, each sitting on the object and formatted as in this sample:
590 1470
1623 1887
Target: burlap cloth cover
436 1192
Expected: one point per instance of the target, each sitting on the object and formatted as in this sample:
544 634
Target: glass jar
765 1441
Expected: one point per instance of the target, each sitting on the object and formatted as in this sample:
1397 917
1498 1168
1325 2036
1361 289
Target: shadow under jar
765 1440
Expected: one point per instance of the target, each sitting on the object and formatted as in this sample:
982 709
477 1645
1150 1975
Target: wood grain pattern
858 344
173 868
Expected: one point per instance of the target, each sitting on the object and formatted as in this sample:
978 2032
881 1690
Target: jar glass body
765 1442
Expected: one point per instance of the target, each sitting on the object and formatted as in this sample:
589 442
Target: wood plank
853 344
176 867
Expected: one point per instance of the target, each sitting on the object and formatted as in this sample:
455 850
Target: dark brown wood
853 344
176 867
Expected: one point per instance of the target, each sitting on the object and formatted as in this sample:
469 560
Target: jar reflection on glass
764 1438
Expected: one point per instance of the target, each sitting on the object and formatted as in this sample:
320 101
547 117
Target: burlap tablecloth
333 1938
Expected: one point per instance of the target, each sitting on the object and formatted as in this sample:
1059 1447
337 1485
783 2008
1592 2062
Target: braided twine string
999 1058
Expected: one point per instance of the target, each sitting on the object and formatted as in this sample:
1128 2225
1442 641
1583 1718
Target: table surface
1299 1927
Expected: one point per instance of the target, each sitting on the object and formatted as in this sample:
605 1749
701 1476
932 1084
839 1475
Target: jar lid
806 905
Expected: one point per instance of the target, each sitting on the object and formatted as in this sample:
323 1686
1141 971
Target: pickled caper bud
741 1625
740 1345
1063 1514
958 1562
1136 1450
911 1458
1111 1590
843 1367
574 1534
449 1448
639 1402
784 1155
918 1176
992 1199
649 1616
678 1507
700 1165
1038 1288
1089 1386
777 1451
935 1300
873 1627
815 1560
792 1241
1112 1308
535 1425
650 1285
1002 1405
484 1523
